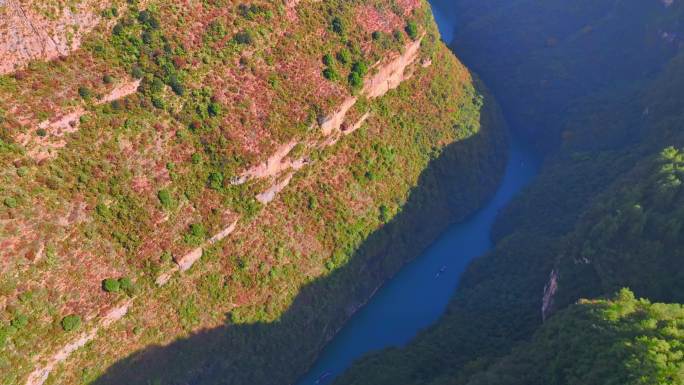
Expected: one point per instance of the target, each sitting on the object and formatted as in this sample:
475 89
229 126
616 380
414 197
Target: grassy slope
338 214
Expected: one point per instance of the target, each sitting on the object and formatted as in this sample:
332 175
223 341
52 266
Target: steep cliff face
230 176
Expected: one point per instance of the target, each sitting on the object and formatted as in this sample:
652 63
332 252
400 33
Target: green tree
344 56
71 322
330 74
412 30
215 180
328 59
338 26
85 92
111 285
164 197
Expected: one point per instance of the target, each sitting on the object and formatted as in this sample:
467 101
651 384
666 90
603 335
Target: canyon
445 192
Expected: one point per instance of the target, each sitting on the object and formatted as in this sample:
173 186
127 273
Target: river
418 295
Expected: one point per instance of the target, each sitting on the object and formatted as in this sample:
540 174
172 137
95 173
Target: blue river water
418 295
444 16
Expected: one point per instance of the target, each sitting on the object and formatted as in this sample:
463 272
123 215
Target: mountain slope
550 55
221 178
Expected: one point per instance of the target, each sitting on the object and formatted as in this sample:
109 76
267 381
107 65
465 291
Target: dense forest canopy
620 341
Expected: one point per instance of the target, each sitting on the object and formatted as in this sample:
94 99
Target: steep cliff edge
203 181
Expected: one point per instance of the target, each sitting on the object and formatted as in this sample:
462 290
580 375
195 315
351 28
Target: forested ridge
598 86
621 340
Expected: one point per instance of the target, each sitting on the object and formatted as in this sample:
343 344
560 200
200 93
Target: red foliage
20 75
372 19
179 62
408 5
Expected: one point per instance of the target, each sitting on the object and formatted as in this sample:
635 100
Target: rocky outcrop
550 290
274 165
121 91
40 375
386 77
41 147
392 74
357 125
334 121
26 34
186 261
270 194
50 135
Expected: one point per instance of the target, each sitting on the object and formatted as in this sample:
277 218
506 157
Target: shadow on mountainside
462 179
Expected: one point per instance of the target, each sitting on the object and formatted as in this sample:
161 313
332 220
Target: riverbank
418 295
324 306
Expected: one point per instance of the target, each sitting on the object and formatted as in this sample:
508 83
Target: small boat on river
322 378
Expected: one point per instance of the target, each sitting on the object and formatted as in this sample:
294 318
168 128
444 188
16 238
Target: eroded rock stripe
41 147
40 375
388 77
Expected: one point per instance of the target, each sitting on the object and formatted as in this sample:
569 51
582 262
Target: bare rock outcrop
274 165
550 290
40 375
357 125
269 195
121 91
27 34
186 261
392 74
41 147
387 76
334 121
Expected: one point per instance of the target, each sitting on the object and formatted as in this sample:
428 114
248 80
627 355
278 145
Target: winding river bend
418 295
